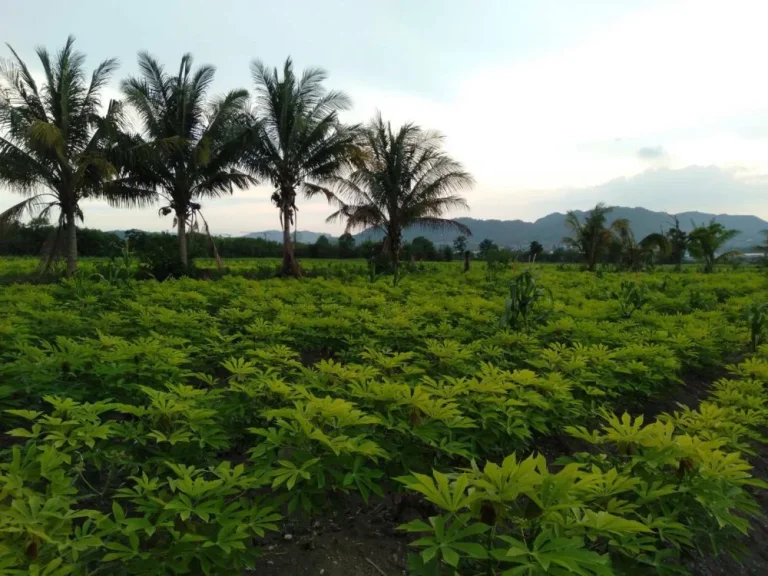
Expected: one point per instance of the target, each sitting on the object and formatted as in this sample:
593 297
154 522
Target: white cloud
687 74
652 153
536 133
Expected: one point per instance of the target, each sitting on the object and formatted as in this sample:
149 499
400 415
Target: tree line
592 241
615 245
25 239
58 147
596 242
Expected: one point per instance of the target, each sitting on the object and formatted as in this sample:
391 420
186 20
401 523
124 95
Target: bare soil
351 541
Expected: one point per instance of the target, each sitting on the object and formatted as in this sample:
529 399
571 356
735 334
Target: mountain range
301 236
550 229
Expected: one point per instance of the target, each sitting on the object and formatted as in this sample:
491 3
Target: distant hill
550 229
271 235
301 236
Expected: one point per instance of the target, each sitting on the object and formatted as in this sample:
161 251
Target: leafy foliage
156 427
756 316
591 238
190 149
635 255
706 240
631 298
56 146
679 241
399 179
524 297
301 144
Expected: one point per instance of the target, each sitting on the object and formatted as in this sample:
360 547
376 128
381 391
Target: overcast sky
551 104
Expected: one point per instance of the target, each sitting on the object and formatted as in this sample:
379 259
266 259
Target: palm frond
51 247
27 207
120 193
22 171
311 190
191 147
572 242
221 183
399 179
443 224
48 136
211 240
300 137
655 240
99 79
23 85
623 227
54 137
572 221
359 217
725 256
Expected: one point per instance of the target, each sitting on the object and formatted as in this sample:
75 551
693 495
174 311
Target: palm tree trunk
394 247
395 268
71 242
181 227
592 258
289 267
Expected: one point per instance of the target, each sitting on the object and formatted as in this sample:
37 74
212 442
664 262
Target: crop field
13 269
524 421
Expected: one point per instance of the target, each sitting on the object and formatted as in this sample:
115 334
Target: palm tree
706 240
534 250
55 144
633 254
591 238
678 244
197 145
302 144
400 179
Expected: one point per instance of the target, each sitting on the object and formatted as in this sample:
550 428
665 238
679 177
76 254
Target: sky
550 104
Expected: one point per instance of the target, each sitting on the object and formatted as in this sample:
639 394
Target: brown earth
352 541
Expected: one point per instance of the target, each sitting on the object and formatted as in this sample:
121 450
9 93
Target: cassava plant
756 316
525 296
631 297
